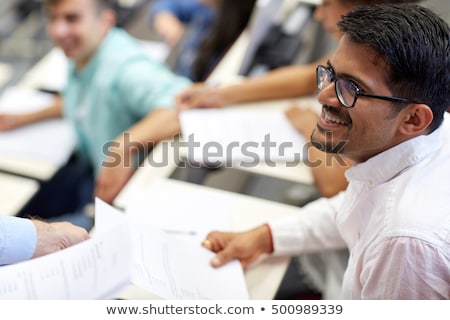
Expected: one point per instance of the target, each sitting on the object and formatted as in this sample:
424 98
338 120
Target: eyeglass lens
345 90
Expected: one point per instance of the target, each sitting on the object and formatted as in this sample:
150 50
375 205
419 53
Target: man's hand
200 95
10 121
56 236
169 28
245 246
302 119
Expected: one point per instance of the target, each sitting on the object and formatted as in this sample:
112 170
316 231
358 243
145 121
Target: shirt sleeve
146 85
312 229
405 268
18 239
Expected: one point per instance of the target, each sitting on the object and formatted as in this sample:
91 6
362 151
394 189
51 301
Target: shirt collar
388 164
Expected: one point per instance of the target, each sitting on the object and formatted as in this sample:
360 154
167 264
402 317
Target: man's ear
109 17
415 119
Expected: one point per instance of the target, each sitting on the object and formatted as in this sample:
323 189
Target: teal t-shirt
120 85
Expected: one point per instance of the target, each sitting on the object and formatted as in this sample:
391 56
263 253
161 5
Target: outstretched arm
118 167
13 121
282 83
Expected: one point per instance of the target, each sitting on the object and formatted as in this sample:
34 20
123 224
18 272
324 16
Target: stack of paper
234 135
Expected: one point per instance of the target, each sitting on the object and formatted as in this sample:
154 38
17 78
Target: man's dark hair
101 4
415 44
373 2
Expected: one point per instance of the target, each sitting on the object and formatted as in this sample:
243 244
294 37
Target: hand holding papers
171 264
228 135
94 269
176 205
168 258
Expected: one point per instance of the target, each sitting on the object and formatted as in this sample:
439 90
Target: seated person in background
118 99
232 18
211 27
385 92
22 239
285 82
172 19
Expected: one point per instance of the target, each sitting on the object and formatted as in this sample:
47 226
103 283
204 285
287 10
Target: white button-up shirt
394 217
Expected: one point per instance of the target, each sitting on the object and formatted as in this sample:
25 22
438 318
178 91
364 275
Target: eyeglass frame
358 91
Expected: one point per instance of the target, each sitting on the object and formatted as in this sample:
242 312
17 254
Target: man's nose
328 95
58 28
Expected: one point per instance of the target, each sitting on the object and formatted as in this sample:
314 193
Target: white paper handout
169 219
97 268
173 265
50 141
234 135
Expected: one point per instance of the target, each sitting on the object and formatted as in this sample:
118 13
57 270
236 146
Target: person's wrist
122 152
44 232
19 120
270 238
265 239
226 95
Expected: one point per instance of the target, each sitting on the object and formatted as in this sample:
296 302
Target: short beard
329 146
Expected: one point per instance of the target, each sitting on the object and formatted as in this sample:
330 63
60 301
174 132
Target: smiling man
116 96
384 92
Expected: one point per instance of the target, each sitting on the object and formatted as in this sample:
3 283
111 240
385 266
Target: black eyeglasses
346 91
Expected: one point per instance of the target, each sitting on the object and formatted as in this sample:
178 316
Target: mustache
338 112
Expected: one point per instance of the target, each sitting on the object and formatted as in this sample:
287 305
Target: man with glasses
384 93
287 82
